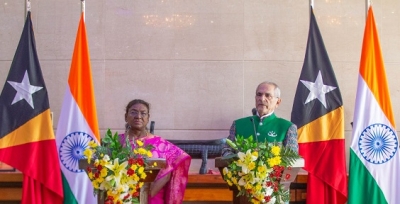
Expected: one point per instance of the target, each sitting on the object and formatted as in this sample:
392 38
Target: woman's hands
159 184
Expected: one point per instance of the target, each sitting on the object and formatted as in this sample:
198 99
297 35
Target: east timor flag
318 113
27 140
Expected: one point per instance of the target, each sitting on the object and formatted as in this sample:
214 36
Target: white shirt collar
264 116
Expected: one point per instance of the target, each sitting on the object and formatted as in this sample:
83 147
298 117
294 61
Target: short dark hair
137 101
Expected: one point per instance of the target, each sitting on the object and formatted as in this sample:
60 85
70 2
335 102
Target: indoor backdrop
198 62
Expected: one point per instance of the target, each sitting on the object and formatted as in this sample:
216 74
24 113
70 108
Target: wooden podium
151 173
222 162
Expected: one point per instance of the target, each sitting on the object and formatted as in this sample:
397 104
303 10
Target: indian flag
78 123
374 155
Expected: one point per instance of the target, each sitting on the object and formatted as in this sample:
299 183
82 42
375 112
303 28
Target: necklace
137 137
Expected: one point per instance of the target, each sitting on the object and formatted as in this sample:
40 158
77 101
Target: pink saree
178 163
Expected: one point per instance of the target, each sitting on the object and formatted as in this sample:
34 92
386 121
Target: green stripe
69 197
362 185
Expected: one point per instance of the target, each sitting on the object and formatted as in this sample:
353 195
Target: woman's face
137 116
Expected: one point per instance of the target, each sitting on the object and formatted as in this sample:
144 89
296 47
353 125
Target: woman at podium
170 183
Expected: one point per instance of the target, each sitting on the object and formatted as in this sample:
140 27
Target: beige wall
197 61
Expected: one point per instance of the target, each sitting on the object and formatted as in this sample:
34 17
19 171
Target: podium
288 175
151 173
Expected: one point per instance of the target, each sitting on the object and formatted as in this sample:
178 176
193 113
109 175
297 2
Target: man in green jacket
265 125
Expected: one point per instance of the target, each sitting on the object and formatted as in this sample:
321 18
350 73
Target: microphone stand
254 129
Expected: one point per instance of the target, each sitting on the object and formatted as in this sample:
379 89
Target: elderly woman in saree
170 183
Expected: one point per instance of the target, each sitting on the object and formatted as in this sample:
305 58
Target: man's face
266 101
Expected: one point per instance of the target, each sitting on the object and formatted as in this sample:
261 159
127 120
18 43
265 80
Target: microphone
254 111
152 127
254 128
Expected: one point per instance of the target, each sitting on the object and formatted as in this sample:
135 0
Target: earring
127 126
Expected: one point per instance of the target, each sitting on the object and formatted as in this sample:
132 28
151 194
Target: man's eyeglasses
267 95
137 113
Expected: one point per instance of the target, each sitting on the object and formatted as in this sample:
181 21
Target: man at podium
264 125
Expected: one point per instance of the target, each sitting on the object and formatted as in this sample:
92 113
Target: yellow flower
229 174
95 184
141 170
134 166
276 150
100 179
142 151
258 187
248 186
92 144
149 154
103 172
274 161
251 166
135 177
90 174
140 143
89 153
234 180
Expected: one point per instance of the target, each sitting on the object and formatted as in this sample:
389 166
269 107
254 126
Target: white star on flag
24 90
317 89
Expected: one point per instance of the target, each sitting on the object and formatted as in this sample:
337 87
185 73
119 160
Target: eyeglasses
267 95
137 113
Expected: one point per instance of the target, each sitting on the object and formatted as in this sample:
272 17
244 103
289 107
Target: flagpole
311 6
83 8
367 4
28 7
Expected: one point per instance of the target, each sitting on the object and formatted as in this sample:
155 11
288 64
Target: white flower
245 160
268 191
272 201
242 181
225 170
118 169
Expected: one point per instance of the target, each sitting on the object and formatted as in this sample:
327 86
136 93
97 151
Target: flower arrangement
258 169
117 169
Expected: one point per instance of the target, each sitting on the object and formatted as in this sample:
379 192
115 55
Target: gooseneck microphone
254 111
254 128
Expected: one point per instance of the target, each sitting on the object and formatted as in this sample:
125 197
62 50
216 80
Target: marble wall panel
12 18
152 81
208 95
198 62
342 28
285 74
56 27
183 95
275 30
